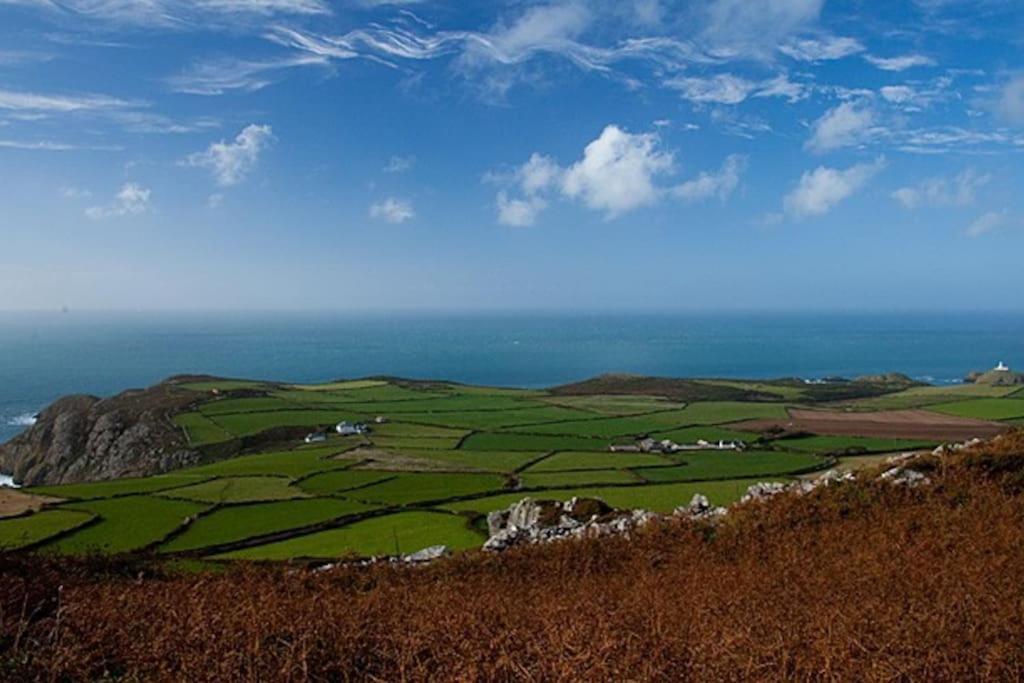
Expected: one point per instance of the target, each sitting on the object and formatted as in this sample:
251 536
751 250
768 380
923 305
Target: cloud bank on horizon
415 125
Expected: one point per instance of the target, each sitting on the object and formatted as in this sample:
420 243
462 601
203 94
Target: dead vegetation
858 581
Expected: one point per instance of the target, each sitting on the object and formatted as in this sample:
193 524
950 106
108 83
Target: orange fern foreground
858 581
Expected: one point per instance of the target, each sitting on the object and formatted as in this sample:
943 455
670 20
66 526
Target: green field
329 483
239 522
984 408
119 487
570 460
510 441
488 461
201 430
18 532
388 535
412 487
297 463
125 524
842 444
581 478
238 490
732 465
615 405
443 447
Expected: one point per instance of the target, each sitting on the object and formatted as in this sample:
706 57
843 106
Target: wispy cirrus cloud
822 49
901 62
173 14
62 103
987 223
54 146
218 76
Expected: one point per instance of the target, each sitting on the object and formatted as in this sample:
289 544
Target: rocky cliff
85 438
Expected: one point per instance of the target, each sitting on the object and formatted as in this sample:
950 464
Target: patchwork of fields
442 455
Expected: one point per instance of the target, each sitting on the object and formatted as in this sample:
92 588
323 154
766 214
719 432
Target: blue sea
46 355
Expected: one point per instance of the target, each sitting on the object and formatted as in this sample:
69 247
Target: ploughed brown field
861 581
897 424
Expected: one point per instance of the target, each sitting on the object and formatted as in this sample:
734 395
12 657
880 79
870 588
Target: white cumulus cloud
392 210
131 199
847 124
938 192
1011 101
617 172
519 212
231 162
720 184
820 190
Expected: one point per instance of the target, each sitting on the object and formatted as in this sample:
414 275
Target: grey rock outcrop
700 508
85 438
542 521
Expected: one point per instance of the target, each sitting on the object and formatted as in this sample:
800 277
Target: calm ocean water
45 355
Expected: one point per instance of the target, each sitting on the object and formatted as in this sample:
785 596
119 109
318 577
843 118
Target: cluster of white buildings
346 428
667 446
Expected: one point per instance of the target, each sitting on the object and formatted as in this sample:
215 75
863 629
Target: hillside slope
85 438
861 581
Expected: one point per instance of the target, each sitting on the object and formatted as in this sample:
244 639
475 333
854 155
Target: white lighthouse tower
1002 367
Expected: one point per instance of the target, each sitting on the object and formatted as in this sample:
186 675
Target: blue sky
567 154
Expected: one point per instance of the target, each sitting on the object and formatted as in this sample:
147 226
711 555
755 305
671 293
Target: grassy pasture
329 483
125 524
582 478
496 419
458 403
839 444
405 429
615 406
384 393
200 429
223 385
18 532
732 465
238 490
345 385
489 461
403 443
230 406
721 412
784 392
511 441
611 427
246 424
239 522
984 408
118 487
576 460
398 533
297 463
919 397
412 487
657 497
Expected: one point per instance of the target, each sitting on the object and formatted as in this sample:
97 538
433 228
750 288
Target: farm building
315 437
351 429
